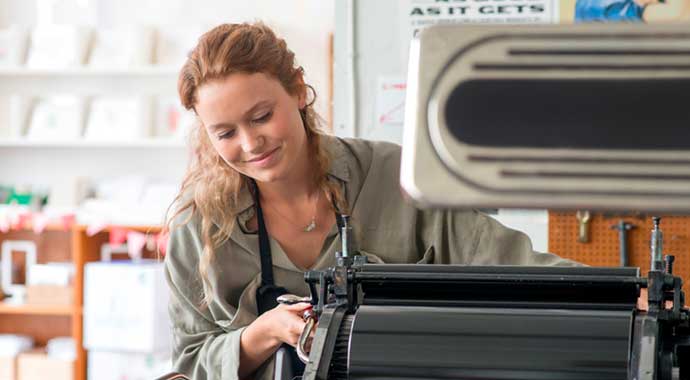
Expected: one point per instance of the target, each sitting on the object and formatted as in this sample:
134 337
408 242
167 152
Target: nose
251 140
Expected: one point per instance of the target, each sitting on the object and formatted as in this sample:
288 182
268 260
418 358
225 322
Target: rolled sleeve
496 244
206 341
202 350
230 351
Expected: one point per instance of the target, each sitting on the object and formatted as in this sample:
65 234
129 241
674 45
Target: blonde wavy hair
210 187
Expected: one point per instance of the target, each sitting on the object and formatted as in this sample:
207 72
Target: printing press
577 117
564 117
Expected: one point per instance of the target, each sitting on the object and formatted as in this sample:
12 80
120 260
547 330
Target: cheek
288 124
293 129
228 151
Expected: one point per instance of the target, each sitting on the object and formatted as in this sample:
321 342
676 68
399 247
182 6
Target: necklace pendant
311 226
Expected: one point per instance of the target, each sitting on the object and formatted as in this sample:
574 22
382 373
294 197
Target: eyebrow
260 104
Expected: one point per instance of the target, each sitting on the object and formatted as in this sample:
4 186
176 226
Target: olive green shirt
387 229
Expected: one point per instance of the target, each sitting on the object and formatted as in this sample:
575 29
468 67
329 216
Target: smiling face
254 124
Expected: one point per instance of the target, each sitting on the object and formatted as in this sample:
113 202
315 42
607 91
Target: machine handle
291 299
310 318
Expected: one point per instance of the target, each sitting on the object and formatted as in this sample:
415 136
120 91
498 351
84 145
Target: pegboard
603 246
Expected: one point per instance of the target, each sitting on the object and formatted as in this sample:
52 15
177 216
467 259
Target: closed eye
227 134
263 118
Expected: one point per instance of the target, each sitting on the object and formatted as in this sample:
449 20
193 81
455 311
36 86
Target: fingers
643 303
296 329
291 325
287 319
300 306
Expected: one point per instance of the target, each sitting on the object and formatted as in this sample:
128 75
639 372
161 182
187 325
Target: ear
302 100
302 95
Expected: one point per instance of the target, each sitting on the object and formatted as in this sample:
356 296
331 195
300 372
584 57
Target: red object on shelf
118 235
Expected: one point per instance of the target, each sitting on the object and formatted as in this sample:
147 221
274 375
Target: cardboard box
104 365
37 365
54 273
49 295
8 366
126 307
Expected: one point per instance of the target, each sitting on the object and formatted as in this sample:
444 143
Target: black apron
268 292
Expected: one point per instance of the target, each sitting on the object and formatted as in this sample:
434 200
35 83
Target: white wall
380 50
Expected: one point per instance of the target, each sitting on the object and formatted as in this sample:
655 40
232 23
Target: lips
263 156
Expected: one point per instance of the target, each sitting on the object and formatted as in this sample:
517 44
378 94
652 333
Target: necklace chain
312 223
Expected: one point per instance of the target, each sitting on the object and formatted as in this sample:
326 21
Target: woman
265 182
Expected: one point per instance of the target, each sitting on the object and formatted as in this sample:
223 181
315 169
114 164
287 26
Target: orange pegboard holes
603 246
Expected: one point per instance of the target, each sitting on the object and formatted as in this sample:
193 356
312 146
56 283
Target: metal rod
656 245
345 232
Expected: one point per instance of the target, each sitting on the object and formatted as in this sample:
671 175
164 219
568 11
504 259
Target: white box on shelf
56 273
62 347
37 365
107 365
8 366
122 47
14 344
58 46
173 120
13 44
10 347
125 307
57 118
18 116
5 130
119 119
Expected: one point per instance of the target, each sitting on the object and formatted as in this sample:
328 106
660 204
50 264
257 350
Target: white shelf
143 143
146 80
55 163
150 70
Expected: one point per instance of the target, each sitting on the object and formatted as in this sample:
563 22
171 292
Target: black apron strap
268 292
264 247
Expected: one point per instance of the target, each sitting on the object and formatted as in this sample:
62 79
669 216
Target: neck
297 188
292 191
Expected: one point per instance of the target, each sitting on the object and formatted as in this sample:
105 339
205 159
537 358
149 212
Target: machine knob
668 261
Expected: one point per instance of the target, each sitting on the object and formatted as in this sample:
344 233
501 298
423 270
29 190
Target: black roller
338 370
487 343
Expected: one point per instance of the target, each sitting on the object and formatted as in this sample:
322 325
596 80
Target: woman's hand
261 339
284 323
643 301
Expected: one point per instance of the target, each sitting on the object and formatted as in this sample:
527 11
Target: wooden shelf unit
43 323
6 308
